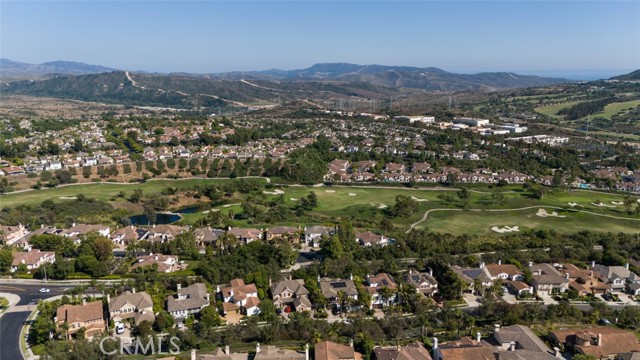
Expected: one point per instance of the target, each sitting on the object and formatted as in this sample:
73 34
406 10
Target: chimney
478 336
290 277
566 276
512 346
226 349
108 298
599 339
84 301
556 353
351 342
431 272
178 286
481 265
499 262
593 264
269 282
351 276
133 290
626 266
530 263
435 344
193 354
257 348
496 328
306 351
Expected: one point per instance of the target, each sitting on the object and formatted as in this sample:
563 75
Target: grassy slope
614 108
336 202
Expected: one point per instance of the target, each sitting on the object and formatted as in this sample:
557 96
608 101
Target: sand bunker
380 205
602 205
229 205
418 199
573 204
275 192
69 197
293 199
352 194
330 191
505 229
617 202
544 213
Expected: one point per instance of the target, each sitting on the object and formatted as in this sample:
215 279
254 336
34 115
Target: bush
138 166
32 175
86 171
126 168
171 163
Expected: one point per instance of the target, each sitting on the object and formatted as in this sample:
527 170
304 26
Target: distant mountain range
634 75
13 70
320 82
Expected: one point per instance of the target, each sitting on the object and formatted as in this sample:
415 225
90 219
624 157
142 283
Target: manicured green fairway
552 110
614 108
100 191
368 203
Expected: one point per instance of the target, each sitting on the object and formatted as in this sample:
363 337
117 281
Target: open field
101 191
614 108
371 204
552 110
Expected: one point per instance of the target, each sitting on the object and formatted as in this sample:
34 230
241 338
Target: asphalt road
11 322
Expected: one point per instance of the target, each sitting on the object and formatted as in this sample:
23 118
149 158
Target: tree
497 196
4 185
331 247
5 260
163 320
464 196
210 317
404 207
628 203
136 196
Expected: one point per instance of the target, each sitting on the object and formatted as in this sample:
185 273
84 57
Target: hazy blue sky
215 36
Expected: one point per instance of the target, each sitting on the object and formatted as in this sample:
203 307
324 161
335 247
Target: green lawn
614 108
101 191
365 203
552 110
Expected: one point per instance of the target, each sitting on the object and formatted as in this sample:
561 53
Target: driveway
472 300
509 298
547 299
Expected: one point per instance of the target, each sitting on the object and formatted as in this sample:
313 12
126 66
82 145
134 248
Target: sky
540 37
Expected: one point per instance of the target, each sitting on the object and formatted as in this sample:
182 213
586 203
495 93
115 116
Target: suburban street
13 319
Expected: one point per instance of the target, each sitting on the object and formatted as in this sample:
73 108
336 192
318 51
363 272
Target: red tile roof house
290 293
32 259
245 296
504 272
286 232
88 316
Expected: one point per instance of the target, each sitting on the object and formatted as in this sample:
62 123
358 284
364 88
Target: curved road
14 318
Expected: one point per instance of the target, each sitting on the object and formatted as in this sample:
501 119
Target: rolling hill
13 70
634 75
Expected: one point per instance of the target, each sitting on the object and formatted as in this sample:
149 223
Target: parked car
120 328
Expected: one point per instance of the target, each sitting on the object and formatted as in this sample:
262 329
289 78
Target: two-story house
88 316
32 259
131 305
424 283
290 294
187 301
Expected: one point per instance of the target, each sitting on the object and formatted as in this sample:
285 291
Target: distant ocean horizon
577 74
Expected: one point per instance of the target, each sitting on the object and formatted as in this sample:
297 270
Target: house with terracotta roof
271 352
131 305
470 275
164 263
616 277
584 281
78 230
289 233
128 235
187 301
519 288
504 271
207 236
243 296
462 349
599 342
382 289
246 235
519 342
88 316
32 259
413 351
328 350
